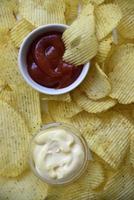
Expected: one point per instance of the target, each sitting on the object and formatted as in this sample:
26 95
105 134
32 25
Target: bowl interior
23 61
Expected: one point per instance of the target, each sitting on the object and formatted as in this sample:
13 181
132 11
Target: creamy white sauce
57 154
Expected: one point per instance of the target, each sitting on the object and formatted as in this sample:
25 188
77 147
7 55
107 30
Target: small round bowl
22 60
77 173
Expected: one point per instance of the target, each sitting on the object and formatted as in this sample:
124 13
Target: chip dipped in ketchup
45 64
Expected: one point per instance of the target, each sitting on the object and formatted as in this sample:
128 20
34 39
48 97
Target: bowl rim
23 68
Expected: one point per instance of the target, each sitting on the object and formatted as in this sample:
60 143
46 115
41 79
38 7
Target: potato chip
120 185
90 105
2 85
126 26
110 141
20 31
132 150
80 190
85 119
80 40
71 11
50 12
108 17
27 186
14 142
9 67
26 101
104 48
96 175
7 18
121 75
63 109
64 97
97 84
46 118
96 2
4 36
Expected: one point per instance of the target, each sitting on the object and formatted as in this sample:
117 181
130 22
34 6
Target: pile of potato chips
102 107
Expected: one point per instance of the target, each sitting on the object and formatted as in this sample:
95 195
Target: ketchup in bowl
45 64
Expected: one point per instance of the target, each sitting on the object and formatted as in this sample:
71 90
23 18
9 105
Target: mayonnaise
57 154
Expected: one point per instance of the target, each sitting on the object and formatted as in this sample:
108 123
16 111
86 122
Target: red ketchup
45 64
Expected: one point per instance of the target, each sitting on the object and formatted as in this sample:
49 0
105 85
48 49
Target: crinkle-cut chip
20 31
9 66
27 102
13 5
120 185
6 96
46 118
7 18
71 11
132 150
125 5
80 39
3 84
126 110
50 12
4 36
85 119
27 186
55 11
97 84
79 190
108 17
96 175
111 140
90 105
104 48
15 138
126 26
96 2
122 74
63 97
63 109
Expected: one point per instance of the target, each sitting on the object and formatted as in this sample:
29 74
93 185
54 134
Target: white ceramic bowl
23 61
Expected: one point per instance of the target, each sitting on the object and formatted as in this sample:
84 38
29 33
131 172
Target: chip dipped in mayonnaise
58 154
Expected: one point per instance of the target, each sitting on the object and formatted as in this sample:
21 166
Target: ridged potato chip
46 118
132 150
26 101
27 186
107 18
121 75
50 12
96 175
96 2
7 18
79 39
126 25
111 140
2 85
63 97
96 85
85 119
90 105
20 31
4 36
9 66
120 185
63 109
104 48
79 190
71 11
15 140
